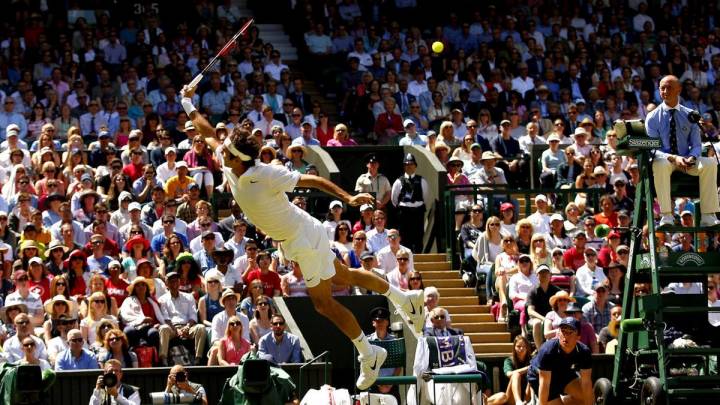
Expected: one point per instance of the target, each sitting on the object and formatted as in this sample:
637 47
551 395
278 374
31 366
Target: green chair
395 358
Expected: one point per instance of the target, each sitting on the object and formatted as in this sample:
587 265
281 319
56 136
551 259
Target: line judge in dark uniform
410 195
681 148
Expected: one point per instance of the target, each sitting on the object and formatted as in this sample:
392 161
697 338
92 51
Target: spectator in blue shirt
76 357
280 346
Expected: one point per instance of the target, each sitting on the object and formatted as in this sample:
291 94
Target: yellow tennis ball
438 47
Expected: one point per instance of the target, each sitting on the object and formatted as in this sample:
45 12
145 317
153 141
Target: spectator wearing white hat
588 274
411 136
167 170
582 147
550 161
334 218
134 220
540 218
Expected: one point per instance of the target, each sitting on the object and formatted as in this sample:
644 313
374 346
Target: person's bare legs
574 393
411 302
516 393
357 277
327 306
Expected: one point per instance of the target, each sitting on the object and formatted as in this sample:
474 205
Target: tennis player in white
260 190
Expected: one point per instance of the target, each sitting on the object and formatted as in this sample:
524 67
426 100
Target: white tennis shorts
311 250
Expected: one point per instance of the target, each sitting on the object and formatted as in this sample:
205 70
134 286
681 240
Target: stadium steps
275 34
489 338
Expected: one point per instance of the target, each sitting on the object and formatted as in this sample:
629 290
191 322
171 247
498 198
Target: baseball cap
134 206
506 206
613 234
686 212
35 260
86 176
553 138
366 207
580 131
599 170
556 217
12 129
181 164
170 149
503 122
408 122
541 197
367 255
189 126
104 134
571 323
475 145
336 203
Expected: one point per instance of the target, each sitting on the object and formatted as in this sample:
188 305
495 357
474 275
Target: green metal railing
495 192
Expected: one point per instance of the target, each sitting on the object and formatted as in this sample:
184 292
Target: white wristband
187 105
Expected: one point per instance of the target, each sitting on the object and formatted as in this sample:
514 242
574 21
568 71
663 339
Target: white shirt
196 244
522 85
520 285
274 70
260 192
180 227
376 240
181 309
584 278
13 352
164 172
98 398
219 324
540 222
387 260
525 142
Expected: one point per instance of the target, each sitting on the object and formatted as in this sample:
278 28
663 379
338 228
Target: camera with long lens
109 379
170 398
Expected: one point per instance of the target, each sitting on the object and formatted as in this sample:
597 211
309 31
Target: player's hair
245 143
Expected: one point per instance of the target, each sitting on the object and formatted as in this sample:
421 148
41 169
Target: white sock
395 295
363 345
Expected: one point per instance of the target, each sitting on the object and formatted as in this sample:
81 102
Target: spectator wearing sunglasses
13 347
76 357
279 346
439 318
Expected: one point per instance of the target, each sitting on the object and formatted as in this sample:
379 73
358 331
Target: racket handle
195 81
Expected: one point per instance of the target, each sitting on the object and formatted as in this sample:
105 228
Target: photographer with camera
109 388
179 385
681 148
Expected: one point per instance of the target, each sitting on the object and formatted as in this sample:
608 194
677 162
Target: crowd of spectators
110 246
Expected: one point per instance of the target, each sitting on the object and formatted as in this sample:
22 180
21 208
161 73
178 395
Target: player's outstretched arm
201 124
322 184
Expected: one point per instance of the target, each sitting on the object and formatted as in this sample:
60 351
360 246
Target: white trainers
370 367
414 308
666 220
708 220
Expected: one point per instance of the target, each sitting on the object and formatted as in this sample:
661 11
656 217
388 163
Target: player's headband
229 146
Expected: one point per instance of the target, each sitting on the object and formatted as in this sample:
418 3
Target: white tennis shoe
414 309
370 367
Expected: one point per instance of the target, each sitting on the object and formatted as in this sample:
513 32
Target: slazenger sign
690 257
